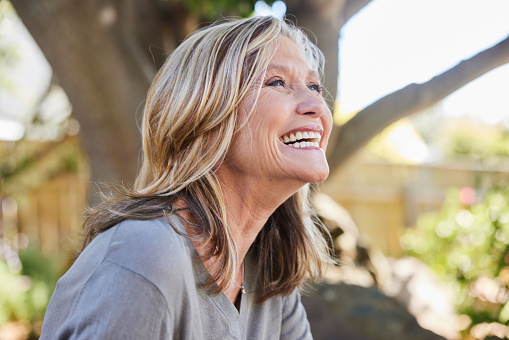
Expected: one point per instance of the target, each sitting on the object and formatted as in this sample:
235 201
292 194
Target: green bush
467 244
490 142
28 280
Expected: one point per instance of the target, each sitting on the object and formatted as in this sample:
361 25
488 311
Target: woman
217 235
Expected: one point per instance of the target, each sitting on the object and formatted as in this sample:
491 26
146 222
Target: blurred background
418 196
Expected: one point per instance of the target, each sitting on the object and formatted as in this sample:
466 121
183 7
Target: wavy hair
189 122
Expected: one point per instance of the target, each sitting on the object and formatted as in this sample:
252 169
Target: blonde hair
190 119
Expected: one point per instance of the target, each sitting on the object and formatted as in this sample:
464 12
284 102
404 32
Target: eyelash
272 82
318 88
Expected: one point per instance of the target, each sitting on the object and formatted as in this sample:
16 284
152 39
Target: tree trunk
100 56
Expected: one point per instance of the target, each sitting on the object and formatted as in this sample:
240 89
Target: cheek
259 143
255 149
267 119
328 123
250 147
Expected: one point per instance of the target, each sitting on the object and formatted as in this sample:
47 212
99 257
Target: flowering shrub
467 244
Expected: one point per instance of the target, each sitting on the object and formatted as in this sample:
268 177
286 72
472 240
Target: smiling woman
289 103
217 235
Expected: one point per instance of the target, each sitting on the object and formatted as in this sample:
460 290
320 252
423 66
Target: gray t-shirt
138 280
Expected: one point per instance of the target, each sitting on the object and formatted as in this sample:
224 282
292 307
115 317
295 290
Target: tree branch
411 99
352 7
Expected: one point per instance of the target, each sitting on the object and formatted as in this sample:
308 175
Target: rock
343 311
417 288
388 289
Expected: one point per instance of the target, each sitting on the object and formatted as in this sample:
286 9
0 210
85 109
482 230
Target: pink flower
467 196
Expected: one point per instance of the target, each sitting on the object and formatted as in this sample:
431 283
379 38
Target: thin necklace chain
242 288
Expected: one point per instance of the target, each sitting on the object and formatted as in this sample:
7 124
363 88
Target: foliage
211 8
26 165
447 139
489 142
27 283
467 244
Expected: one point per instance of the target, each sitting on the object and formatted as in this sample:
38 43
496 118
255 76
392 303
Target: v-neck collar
236 318
202 275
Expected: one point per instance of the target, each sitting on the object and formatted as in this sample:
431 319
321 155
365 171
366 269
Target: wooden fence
385 198
48 217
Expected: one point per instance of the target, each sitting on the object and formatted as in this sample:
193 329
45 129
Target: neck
249 204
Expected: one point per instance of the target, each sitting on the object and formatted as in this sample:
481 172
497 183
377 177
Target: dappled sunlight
401 143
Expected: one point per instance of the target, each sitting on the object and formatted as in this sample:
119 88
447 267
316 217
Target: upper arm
295 324
117 303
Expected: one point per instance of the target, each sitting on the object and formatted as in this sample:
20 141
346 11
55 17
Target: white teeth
291 138
304 144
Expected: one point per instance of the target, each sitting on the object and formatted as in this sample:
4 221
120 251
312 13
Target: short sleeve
117 303
295 325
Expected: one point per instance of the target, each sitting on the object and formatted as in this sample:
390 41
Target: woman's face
286 135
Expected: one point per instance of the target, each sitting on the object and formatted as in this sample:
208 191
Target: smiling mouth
302 139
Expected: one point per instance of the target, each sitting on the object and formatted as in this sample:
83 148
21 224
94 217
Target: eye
276 82
315 87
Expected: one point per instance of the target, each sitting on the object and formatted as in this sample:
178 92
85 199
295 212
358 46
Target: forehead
288 57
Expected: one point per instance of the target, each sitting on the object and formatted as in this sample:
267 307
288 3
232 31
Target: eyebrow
285 69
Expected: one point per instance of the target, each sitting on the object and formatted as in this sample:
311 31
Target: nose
311 104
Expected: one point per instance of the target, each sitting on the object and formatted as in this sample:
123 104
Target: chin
317 176
320 178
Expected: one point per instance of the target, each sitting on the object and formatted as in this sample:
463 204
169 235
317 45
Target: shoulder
152 249
132 267
114 303
149 236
